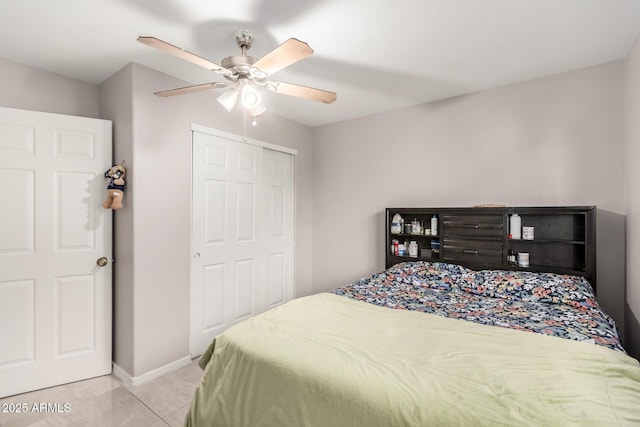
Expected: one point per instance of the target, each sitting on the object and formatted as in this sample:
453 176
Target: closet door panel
242 230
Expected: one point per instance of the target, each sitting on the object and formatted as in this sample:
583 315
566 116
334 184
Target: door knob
102 261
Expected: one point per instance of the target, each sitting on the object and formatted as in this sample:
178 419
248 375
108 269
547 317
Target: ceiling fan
245 73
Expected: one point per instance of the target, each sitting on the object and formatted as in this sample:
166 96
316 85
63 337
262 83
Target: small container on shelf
416 227
435 248
523 259
401 249
413 249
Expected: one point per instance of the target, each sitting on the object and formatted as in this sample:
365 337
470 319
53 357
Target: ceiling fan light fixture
250 97
228 99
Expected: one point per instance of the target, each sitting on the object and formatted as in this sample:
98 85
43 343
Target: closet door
242 215
278 227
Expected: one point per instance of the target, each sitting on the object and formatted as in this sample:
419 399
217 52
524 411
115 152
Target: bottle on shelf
434 225
515 226
415 227
396 224
413 249
511 257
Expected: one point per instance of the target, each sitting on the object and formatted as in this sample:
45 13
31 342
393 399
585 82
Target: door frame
244 140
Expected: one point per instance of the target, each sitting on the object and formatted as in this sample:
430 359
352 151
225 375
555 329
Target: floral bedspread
547 303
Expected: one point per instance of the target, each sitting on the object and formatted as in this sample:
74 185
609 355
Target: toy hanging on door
115 187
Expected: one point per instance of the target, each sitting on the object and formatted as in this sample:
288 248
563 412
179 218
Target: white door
278 227
241 196
55 301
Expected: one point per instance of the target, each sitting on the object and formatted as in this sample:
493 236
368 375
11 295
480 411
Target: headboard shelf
563 241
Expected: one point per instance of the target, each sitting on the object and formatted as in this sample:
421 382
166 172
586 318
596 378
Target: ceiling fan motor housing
239 65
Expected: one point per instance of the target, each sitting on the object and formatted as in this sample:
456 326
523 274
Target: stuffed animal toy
115 187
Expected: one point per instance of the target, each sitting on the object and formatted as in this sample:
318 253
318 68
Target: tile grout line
145 405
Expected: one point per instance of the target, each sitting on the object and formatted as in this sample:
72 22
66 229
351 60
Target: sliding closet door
278 227
241 234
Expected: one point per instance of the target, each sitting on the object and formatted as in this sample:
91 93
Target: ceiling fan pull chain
244 125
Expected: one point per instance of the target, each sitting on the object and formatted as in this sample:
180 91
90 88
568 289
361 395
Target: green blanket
329 361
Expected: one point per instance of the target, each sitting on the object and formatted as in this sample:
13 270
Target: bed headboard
555 239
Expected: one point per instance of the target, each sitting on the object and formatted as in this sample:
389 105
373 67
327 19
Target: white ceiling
378 55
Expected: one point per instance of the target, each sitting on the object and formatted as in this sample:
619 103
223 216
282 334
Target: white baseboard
126 378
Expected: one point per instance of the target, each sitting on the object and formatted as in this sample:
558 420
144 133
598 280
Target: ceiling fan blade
190 89
183 54
302 91
289 52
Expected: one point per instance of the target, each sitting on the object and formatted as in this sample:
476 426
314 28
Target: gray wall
632 181
116 105
28 88
551 141
153 136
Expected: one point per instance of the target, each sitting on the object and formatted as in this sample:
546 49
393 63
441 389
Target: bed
425 344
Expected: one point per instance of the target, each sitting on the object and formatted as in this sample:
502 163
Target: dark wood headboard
564 238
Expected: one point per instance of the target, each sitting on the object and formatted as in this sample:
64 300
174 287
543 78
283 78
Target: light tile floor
105 401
